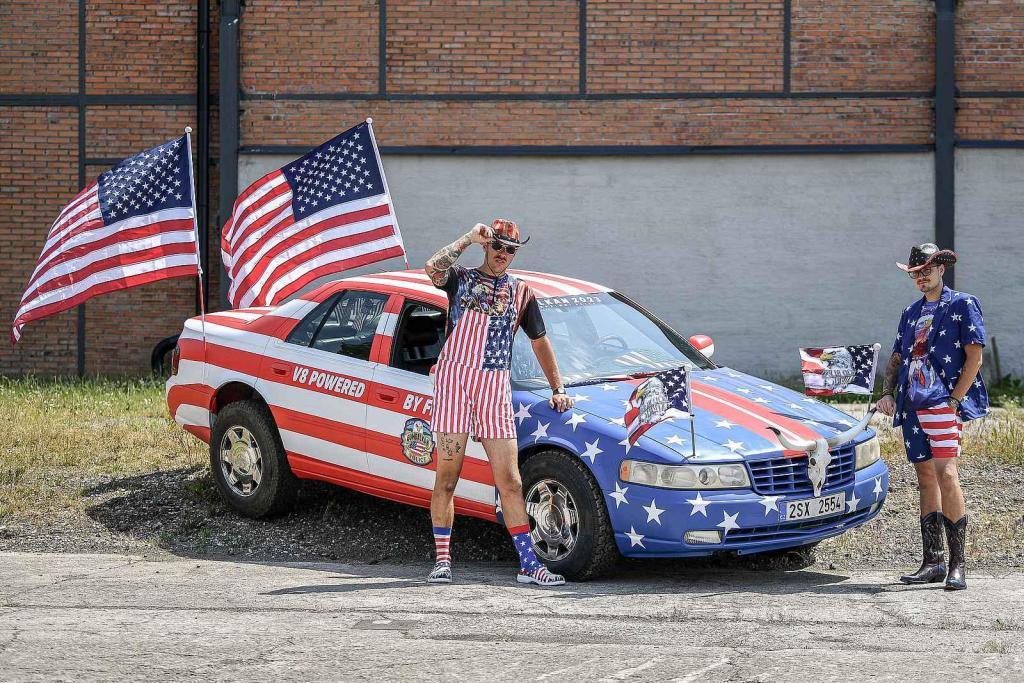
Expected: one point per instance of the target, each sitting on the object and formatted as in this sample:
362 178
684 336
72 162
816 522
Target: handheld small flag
839 369
658 398
133 225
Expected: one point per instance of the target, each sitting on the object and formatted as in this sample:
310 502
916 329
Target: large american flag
324 213
133 225
839 369
664 396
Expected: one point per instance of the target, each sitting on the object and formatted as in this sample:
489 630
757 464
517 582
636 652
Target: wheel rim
241 461
554 519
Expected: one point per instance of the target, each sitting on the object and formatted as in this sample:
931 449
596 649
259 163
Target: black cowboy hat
926 254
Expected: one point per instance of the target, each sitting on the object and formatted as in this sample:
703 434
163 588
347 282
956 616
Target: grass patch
59 432
994 647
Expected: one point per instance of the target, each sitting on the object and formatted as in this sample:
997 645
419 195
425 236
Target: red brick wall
38 49
509 46
298 46
857 45
134 46
38 175
672 122
990 45
522 48
684 46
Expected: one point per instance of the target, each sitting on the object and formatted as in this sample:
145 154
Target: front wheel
569 523
248 461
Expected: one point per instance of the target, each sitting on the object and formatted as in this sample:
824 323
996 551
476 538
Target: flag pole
689 401
195 223
384 179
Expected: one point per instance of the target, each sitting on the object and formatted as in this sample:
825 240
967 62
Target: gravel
179 512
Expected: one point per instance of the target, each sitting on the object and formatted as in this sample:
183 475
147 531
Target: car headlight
868 453
726 476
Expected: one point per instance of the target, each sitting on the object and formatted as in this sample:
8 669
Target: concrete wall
990 242
764 253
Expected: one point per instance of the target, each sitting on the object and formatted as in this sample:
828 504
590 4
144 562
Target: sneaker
442 573
540 576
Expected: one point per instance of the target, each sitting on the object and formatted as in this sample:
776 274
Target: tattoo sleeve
438 264
892 371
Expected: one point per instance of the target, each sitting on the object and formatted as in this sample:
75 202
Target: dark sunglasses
498 246
924 272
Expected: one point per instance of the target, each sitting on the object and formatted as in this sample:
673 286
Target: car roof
416 284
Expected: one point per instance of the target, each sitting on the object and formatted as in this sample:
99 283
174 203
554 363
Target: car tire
250 422
594 553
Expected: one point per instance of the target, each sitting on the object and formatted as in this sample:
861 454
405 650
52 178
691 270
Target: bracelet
955 401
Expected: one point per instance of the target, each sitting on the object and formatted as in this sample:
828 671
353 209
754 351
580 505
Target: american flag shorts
471 400
932 433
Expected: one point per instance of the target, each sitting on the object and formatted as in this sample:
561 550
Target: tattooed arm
887 403
438 265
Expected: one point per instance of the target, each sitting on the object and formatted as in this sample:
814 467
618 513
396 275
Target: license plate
810 508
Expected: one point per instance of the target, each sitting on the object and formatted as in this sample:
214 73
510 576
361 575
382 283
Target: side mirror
703 343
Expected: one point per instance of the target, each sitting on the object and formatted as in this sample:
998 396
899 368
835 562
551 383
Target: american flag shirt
483 314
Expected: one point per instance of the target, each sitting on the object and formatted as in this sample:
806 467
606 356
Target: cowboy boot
956 533
933 568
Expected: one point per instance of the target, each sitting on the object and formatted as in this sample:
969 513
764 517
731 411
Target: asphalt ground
121 617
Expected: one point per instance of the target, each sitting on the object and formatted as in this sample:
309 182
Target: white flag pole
387 191
689 404
195 223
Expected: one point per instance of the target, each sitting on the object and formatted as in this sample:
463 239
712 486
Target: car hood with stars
732 413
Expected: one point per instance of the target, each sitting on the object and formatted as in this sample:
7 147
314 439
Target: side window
304 332
349 326
419 338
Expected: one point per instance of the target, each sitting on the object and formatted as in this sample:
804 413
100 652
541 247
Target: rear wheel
248 461
569 523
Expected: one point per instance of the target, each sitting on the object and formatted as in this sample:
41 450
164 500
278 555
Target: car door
316 380
399 441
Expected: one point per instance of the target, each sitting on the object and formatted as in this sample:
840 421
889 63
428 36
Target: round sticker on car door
418 442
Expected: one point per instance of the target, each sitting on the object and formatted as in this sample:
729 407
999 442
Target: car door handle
387 396
280 368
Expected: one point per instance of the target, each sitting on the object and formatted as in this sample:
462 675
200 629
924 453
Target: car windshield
601 336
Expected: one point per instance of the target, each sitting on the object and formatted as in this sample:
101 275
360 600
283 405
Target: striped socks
524 546
442 539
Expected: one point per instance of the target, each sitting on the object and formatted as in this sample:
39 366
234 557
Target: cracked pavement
116 617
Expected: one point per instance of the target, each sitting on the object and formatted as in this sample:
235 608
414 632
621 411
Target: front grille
787 476
794 530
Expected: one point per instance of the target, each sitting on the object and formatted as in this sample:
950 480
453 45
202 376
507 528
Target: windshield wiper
613 378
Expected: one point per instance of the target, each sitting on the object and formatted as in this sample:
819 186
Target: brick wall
712 45
449 66
635 122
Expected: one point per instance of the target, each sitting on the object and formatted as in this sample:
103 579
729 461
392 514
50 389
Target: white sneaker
442 573
540 576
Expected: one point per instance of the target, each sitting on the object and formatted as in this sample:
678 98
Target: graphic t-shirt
483 314
924 386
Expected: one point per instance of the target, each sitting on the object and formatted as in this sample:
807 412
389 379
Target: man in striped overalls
472 389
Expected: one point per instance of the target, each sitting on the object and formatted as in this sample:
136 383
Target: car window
419 338
304 332
344 324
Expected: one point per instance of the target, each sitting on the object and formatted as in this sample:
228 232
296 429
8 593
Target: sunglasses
924 272
498 246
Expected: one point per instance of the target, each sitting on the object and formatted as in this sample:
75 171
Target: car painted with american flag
336 385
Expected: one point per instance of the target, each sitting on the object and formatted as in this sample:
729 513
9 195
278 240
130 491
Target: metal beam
945 128
80 324
203 144
588 97
229 120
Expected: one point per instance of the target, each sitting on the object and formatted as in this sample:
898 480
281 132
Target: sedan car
336 386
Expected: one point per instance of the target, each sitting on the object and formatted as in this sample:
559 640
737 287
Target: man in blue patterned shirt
932 386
